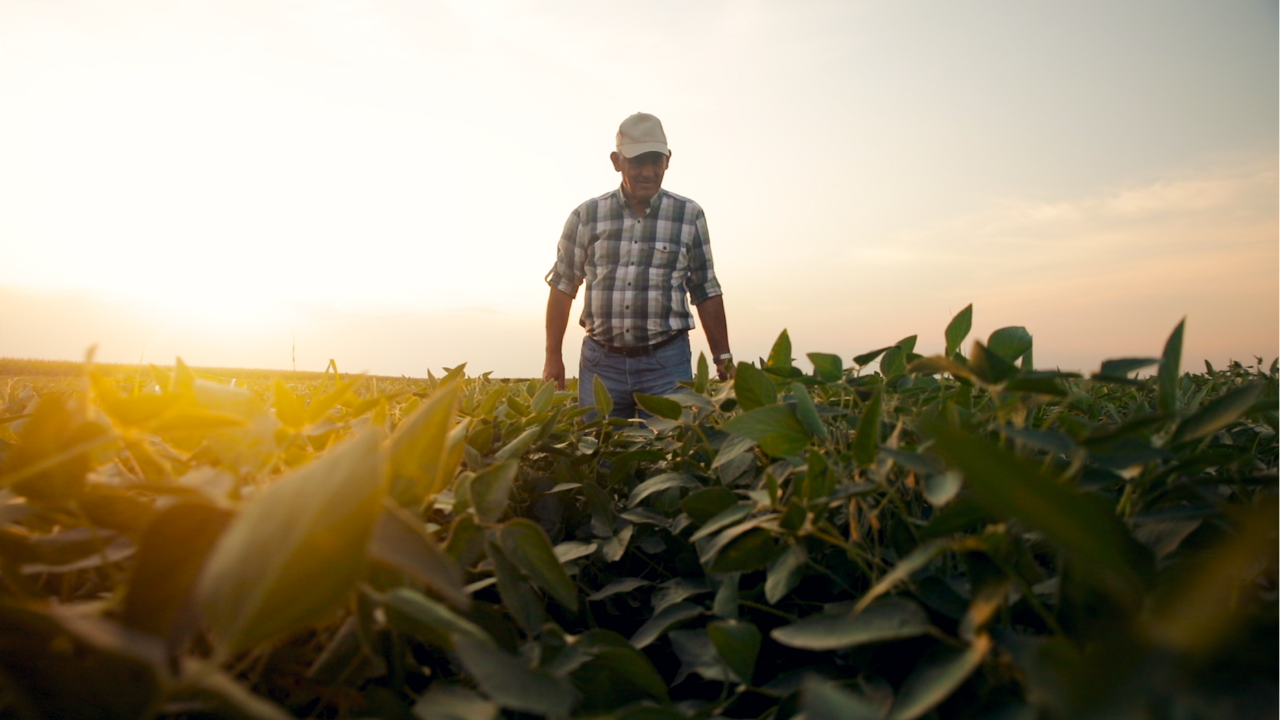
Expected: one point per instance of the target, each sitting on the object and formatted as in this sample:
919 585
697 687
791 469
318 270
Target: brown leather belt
638 350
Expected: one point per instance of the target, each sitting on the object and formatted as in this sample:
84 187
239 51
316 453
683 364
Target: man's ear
667 163
617 161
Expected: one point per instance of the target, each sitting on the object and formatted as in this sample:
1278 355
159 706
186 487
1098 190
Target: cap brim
630 151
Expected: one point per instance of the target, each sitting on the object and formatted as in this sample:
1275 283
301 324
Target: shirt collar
626 206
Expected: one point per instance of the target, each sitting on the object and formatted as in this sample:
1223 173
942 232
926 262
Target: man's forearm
711 315
558 305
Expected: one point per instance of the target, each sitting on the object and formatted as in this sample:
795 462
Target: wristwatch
726 358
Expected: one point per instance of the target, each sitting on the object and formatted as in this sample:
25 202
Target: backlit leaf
958 330
780 354
1170 370
316 523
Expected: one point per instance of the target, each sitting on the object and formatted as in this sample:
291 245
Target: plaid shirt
637 268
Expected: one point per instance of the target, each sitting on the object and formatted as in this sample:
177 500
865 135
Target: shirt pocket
670 257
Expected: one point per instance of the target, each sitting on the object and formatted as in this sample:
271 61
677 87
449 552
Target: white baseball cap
641 133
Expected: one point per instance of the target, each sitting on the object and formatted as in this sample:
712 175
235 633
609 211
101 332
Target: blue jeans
655 372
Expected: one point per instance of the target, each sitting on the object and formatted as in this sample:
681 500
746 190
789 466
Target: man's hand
553 371
724 370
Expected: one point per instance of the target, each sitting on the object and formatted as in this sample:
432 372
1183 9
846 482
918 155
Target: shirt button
628 284
628 307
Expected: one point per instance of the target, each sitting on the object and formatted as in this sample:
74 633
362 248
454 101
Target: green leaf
490 489
623 585
894 362
732 447
662 621
784 444
824 700
659 483
401 540
738 643
868 435
510 682
1120 368
785 573
780 354
54 669
807 412
289 410
409 611
958 330
702 505
660 406
616 675
1219 412
522 603
747 551
1083 526
867 357
827 367
1170 370
542 400
296 550
221 695
917 559
936 677
418 446
699 655
444 701
1010 343
989 366
514 449
527 545
170 555
604 402
702 377
764 421
725 518
753 388
889 618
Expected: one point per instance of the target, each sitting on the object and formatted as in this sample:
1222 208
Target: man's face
642 174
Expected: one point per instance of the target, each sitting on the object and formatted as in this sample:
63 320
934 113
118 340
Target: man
639 249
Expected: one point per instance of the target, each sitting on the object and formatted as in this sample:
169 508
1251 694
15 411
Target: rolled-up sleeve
571 257
701 282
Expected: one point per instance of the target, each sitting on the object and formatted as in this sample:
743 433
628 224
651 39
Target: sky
275 183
